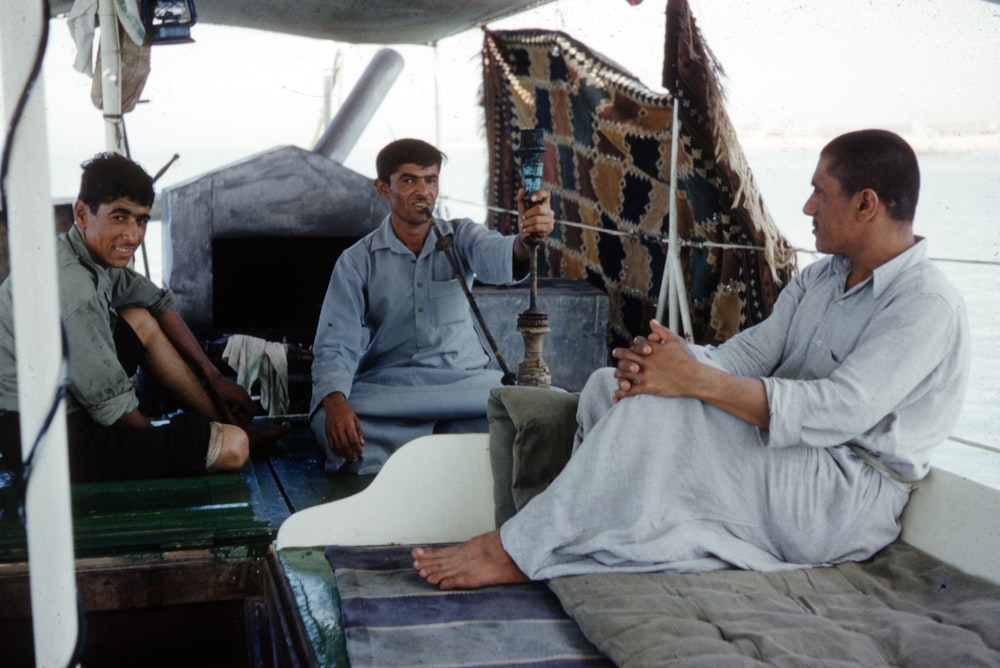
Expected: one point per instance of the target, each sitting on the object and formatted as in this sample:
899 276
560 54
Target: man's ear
868 204
382 187
80 211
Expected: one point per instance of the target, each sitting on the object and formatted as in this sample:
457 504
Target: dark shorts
99 453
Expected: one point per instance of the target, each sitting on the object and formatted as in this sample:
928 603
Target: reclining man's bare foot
262 435
478 562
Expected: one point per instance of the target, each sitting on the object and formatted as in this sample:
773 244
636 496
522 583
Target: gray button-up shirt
89 296
395 318
882 366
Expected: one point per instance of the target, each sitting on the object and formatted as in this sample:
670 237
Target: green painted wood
208 512
212 512
314 587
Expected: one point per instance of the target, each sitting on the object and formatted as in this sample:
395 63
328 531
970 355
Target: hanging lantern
169 21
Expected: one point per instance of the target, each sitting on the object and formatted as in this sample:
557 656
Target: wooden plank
291 648
296 464
113 583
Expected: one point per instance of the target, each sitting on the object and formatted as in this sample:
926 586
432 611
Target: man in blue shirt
396 354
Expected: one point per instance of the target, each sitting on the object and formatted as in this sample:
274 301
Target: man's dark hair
110 176
880 160
403 151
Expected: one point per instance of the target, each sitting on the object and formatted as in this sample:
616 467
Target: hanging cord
445 243
24 470
24 474
712 244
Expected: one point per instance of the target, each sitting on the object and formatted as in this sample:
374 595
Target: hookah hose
444 243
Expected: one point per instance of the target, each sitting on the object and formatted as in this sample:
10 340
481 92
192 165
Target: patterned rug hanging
607 164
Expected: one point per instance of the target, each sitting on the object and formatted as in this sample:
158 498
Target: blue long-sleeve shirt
393 317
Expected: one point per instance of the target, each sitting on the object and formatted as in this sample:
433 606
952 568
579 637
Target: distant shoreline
923 139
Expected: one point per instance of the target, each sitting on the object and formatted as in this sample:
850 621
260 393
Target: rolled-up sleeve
132 289
902 347
97 381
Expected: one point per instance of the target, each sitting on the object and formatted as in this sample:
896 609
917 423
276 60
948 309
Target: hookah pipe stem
532 244
530 154
444 243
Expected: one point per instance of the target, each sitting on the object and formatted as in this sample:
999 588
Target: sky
797 70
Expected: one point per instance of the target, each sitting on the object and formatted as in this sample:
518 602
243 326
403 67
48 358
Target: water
959 213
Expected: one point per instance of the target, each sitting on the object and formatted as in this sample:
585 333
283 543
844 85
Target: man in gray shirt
115 320
794 443
396 354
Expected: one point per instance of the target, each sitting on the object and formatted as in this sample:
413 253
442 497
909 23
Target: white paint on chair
434 489
439 489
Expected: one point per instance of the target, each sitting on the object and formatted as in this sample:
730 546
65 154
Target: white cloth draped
254 360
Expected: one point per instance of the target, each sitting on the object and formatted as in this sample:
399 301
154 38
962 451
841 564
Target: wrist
334 398
520 246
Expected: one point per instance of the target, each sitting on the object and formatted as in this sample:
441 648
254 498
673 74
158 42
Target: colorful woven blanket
608 163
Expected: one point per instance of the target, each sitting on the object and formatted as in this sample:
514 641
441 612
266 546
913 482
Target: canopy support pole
111 77
672 288
37 330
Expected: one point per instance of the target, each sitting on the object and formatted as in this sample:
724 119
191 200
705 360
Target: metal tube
671 284
111 77
39 347
358 109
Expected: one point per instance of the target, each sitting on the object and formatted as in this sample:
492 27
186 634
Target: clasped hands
660 363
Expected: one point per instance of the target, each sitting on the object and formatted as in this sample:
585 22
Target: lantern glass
169 21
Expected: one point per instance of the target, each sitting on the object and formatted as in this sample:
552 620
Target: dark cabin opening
272 287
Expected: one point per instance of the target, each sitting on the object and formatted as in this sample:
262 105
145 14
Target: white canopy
355 21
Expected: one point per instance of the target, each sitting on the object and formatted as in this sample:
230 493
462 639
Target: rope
690 243
712 244
974 444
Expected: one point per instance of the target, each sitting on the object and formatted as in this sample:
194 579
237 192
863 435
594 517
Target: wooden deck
289 476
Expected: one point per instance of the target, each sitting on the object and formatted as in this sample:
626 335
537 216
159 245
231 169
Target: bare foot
261 435
478 562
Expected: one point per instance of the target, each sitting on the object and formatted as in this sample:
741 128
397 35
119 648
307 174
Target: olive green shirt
90 296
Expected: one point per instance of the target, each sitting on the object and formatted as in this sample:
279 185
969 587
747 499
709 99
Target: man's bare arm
232 401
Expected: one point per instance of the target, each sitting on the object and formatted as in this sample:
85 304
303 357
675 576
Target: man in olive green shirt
114 321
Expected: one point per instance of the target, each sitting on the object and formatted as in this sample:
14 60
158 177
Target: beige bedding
901 608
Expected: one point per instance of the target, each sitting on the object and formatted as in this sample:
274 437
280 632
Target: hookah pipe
532 323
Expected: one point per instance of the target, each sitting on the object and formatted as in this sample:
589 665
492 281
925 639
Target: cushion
531 439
